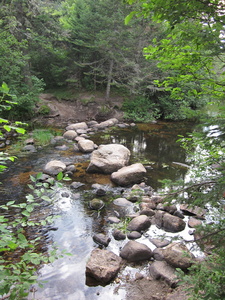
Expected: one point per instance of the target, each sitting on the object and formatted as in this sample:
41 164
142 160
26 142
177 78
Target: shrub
140 109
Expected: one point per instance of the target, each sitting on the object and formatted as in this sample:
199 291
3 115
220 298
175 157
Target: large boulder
86 146
76 126
70 135
54 167
134 251
161 270
103 265
129 175
196 211
107 123
178 256
108 158
169 222
139 223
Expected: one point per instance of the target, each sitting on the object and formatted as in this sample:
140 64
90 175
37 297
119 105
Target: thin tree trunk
109 80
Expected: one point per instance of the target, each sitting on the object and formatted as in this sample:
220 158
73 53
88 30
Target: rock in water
108 158
129 175
103 265
54 167
134 251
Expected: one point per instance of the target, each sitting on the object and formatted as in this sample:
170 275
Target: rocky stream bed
139 240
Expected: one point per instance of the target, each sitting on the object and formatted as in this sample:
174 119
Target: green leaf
60 176
20 130
46 198
129 17
4 88
10 203
25 213
39 175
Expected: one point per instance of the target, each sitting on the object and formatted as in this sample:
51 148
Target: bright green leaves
17 276
7 100
190 57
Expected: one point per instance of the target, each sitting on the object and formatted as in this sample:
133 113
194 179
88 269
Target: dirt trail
87 107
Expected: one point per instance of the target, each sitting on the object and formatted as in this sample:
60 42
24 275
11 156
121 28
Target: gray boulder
193 222
103 265
30 148
134 251
122 202
70 135
159 243
168 222
118 235
113 220
96 204
129 175
134 235
86 146
101 239
196 211
54 167
76 126
161 270
139 223
108 158
178 256
107 123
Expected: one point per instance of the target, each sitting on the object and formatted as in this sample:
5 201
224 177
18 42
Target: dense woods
165 57
176 66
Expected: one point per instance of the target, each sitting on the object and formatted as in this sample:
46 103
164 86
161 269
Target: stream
154 145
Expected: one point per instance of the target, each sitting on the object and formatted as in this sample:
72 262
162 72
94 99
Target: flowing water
154 145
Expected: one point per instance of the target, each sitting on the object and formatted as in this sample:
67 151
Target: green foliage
140 109
188 55
206 280
28 97
108 53
122 226
42 137
205 188
20 258
44 110
8 100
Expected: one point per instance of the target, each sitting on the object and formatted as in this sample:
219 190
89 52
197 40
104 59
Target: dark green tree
28 29
104 52
191 56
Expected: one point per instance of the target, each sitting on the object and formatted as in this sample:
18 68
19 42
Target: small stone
96 204
76 185
122 202
101 239
193 222
118 235
65 194
113 220
159 243
134 235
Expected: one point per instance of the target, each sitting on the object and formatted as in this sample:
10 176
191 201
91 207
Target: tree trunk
109 80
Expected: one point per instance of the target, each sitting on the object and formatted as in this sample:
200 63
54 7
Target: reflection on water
154 145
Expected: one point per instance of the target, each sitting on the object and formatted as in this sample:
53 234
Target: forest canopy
168 55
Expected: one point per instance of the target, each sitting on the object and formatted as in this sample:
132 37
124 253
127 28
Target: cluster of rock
113 159
107 159
6 137
167 255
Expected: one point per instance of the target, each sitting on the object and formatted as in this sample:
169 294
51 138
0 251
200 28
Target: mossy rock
96 204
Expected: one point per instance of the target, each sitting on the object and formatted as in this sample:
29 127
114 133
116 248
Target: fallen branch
189 187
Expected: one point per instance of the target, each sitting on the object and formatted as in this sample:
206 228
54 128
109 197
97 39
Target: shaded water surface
154 145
